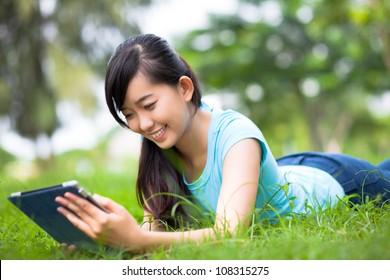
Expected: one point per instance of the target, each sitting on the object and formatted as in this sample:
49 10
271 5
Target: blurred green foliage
51 51
5 158
304 71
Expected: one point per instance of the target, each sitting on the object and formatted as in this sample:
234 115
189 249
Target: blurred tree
49 49
5 158
300 67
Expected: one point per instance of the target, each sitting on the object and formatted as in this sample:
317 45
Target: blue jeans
355 175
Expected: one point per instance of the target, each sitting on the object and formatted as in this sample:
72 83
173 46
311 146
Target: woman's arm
119 229
240 181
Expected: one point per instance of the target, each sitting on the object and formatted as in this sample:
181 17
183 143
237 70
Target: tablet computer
40 206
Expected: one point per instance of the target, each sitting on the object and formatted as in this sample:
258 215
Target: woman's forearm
153 239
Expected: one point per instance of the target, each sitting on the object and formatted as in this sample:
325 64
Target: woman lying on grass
218 160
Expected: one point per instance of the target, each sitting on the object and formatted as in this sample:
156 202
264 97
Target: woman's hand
118 228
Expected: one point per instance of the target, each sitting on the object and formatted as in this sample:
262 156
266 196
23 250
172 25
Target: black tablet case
39 205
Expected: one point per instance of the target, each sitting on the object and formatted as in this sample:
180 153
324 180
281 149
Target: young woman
218 160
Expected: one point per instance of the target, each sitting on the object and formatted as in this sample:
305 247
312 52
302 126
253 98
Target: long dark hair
158 172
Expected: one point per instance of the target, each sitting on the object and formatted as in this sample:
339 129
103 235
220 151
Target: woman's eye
150 106
129 116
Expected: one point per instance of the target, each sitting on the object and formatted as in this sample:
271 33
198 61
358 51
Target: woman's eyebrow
143 98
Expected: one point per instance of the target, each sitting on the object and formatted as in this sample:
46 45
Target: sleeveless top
282 189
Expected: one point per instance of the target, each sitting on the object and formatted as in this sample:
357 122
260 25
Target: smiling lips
158 133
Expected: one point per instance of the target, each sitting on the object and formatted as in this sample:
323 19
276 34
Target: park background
313 75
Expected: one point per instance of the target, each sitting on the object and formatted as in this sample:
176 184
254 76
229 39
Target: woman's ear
186 88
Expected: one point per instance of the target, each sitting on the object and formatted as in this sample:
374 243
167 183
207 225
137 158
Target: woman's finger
77 222
68 247
84 215
80 206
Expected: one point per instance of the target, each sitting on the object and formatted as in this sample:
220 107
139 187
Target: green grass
338 233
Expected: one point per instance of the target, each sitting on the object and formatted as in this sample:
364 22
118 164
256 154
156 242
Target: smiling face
159 112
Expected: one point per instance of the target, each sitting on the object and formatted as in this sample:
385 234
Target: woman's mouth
159 133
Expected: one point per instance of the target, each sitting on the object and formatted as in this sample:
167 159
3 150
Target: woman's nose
145 123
